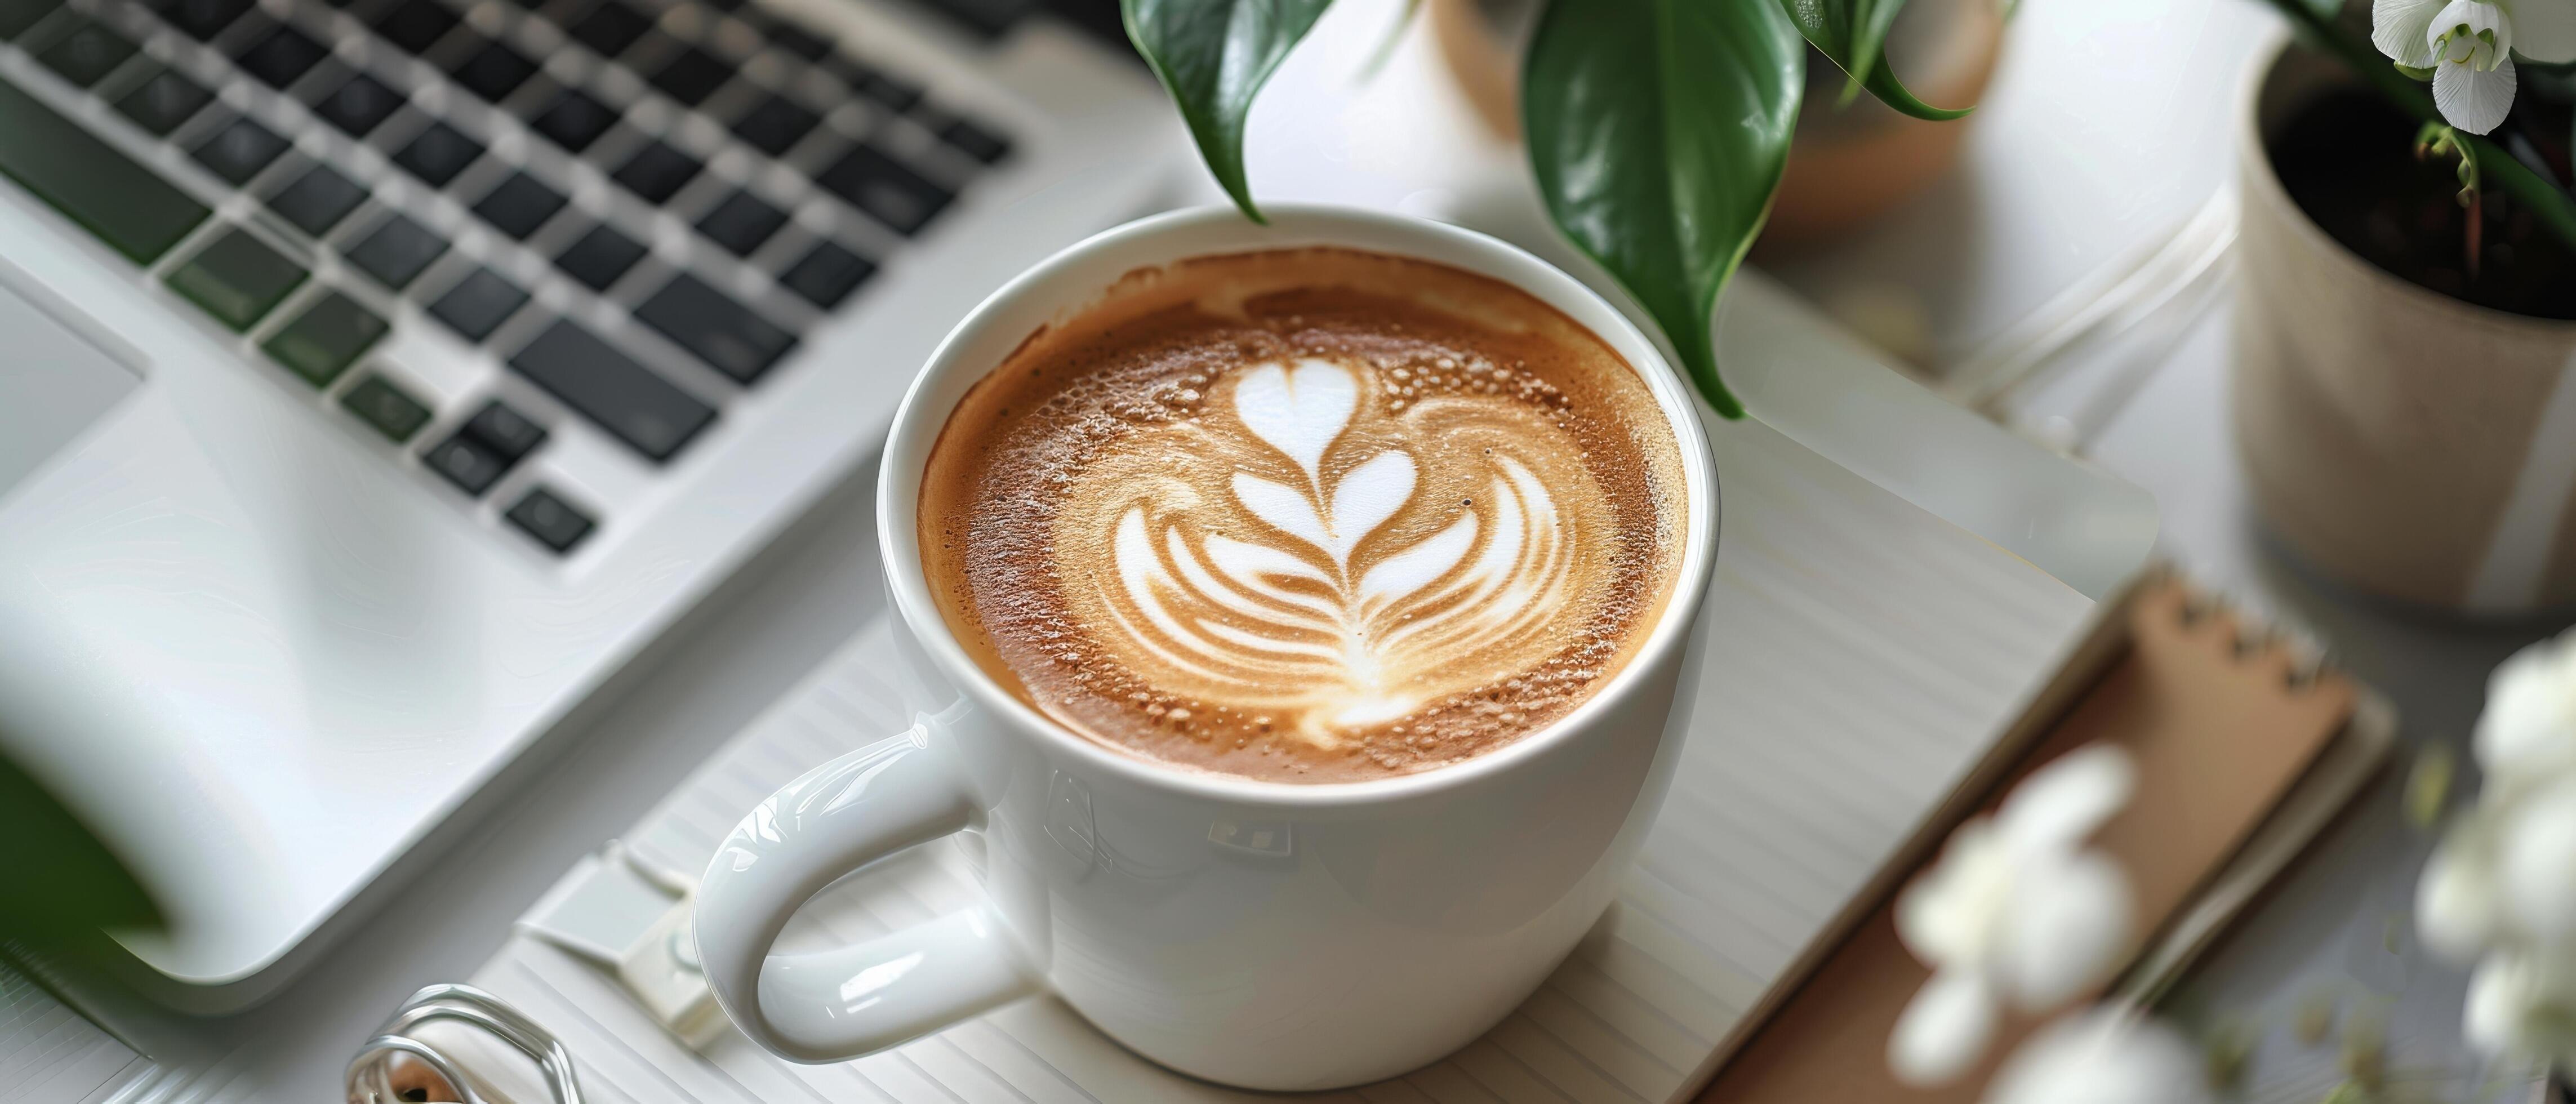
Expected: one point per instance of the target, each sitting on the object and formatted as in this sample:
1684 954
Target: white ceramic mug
1263 934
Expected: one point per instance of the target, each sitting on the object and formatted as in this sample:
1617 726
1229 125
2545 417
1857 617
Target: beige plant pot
1850 163
2407 443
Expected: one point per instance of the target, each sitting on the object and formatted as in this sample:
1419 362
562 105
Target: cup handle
835 1005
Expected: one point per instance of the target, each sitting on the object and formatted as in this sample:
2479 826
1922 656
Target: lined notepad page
1865 651
50 1055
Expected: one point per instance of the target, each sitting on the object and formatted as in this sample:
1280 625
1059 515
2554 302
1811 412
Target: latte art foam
1317 515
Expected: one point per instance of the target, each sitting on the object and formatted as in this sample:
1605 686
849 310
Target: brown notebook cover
2243 747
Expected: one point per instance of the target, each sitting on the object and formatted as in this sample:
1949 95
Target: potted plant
2406 316
1658 129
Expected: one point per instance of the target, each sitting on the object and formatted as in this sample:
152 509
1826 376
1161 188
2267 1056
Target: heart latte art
1307 516
1316 549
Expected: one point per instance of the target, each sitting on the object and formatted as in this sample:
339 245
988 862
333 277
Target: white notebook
1791 790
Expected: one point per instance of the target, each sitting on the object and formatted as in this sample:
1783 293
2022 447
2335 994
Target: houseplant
1658 129
2406 313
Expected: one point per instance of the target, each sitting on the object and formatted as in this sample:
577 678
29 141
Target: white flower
2016 911
2101 1057
2523 1007
2469 46
2527 735
2502 877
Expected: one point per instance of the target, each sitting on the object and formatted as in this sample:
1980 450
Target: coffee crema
1310 515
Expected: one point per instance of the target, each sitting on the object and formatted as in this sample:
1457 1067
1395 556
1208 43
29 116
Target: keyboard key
986 17
237 152
741 223
359 105
881 186
600 257
657 172
162 102
462 462
575 120
551 520
414 25
975 141
520 205
827 275
721 332
397 252
610 28
503 431
610 388
494 72
478 304
800 42
282 57
888 92
324 340
438 154
691 76
87 54
238 279
394 413
18 15
318 200
775 125
204 19
129 207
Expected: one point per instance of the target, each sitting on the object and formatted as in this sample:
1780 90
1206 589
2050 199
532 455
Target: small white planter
2407 443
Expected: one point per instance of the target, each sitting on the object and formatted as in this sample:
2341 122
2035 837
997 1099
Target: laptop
382 375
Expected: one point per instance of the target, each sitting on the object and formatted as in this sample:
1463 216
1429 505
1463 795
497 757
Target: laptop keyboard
727 128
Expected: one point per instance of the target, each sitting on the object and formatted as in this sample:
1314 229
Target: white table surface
2105 126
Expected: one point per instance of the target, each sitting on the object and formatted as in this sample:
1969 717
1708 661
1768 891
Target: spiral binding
370 1073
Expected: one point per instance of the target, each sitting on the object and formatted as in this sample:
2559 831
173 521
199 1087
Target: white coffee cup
1262 934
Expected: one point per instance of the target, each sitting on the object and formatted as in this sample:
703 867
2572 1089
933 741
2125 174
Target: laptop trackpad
53 384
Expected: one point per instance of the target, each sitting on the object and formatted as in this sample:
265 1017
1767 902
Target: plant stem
2555 207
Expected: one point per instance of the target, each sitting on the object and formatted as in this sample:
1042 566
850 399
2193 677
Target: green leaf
1658 129
61 881
1214 56
1854 34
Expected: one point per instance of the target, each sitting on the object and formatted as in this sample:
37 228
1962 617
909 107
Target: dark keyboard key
610 28
238 279
691 76
503 432
574 120
87 54
283 56
724 5
394 413
397 252
657 172
324 340
721 332
551 520
494 72
883 187
975 141
462 462
318 200
18 15
800 42
438 154
775 125
520 205
163 101
478 304
600 257
237 152
414 25
359 105
610 388
204 19
741 223
888 92
986 17
129 207
827 275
